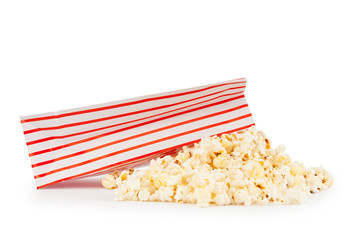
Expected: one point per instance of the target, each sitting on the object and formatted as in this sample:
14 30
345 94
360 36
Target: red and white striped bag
98 139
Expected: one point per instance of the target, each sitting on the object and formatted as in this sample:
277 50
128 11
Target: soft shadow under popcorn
77 183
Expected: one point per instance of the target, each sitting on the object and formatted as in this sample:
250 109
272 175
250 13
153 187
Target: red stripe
114 116
141 145
137 136
133 159
136 120
131 127
126 104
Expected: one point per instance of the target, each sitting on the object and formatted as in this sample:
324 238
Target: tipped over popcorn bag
101 138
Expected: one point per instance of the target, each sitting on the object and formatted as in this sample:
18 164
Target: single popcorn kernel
227 145
109 181
220 161
239 168
143 195
296 169
254 169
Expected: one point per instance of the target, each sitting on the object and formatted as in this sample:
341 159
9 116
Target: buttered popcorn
237 168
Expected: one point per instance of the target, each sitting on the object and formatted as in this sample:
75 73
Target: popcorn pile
237 168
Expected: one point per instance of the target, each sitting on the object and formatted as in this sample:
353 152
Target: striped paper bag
101 138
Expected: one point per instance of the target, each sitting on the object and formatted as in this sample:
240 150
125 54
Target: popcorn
109 181
254 169
239 168
143 195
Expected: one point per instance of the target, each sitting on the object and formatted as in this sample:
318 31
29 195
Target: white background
303 64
